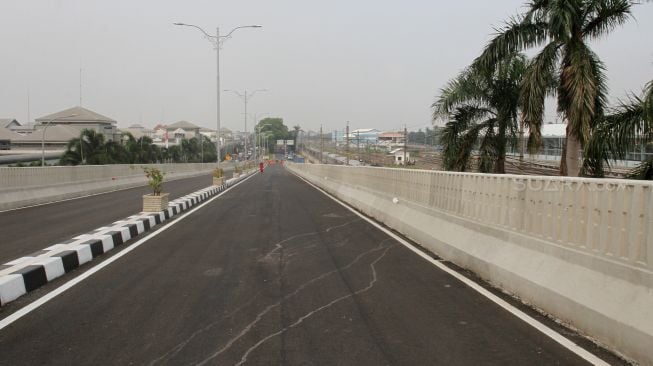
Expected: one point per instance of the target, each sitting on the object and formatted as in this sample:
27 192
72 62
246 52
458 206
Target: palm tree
84 149
481 105
563 28
295 134
72 155
630 125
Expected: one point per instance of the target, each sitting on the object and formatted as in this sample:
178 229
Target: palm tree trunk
573 156
570 159
501 164
563 159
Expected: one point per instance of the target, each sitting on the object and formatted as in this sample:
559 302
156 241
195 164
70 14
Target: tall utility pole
246 97
358 144
321 146
405 143
80 83
347 146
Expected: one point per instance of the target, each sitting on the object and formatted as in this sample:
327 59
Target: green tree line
91 148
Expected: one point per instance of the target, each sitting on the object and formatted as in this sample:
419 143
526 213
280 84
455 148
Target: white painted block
107 242
84 253
53 267
11 287
124 231
151 220
140 227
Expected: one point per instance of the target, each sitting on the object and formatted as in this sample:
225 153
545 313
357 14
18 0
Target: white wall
26 186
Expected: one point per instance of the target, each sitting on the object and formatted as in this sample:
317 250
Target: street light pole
217 88
217 42
257 134
43 136
246 97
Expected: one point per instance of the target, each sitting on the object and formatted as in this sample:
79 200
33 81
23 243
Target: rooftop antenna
80 82
28 113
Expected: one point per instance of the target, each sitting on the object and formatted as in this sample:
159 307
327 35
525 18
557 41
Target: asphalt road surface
27 230
273 273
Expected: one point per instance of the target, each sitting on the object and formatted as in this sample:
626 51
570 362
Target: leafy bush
218 173
155 179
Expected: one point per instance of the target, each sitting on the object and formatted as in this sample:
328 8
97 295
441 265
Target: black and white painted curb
26 274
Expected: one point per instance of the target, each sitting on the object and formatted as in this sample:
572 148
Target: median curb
26 274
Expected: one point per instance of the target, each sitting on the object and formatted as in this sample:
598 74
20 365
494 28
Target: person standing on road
261 166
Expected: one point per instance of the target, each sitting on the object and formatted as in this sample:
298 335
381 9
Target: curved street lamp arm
198 28
256 91
237 93
240 27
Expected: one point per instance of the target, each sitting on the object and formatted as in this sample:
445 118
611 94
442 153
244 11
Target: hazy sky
373 63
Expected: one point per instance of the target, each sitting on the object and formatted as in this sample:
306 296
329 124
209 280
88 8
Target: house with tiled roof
6 138
190 130
55 138
81 118
9 123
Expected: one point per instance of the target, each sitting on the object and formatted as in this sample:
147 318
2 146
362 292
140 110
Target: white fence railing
609 218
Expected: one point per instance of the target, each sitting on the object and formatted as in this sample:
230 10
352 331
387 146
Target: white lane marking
59 290
559 338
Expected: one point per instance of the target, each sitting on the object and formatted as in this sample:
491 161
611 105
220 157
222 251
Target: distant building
81 119
6 138
364 136
189 130
25 129
392 138
399 157
9 123
138 131
56 137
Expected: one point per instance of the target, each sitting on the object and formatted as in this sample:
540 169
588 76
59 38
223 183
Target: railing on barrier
609 218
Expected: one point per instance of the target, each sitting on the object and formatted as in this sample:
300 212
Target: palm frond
465 88
538 83
516 35
582 90
562 19
605 15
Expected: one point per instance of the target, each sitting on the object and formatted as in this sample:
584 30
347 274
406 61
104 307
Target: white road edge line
61 289
559 338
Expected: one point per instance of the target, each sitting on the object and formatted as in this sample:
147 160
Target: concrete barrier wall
20 187
579 249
